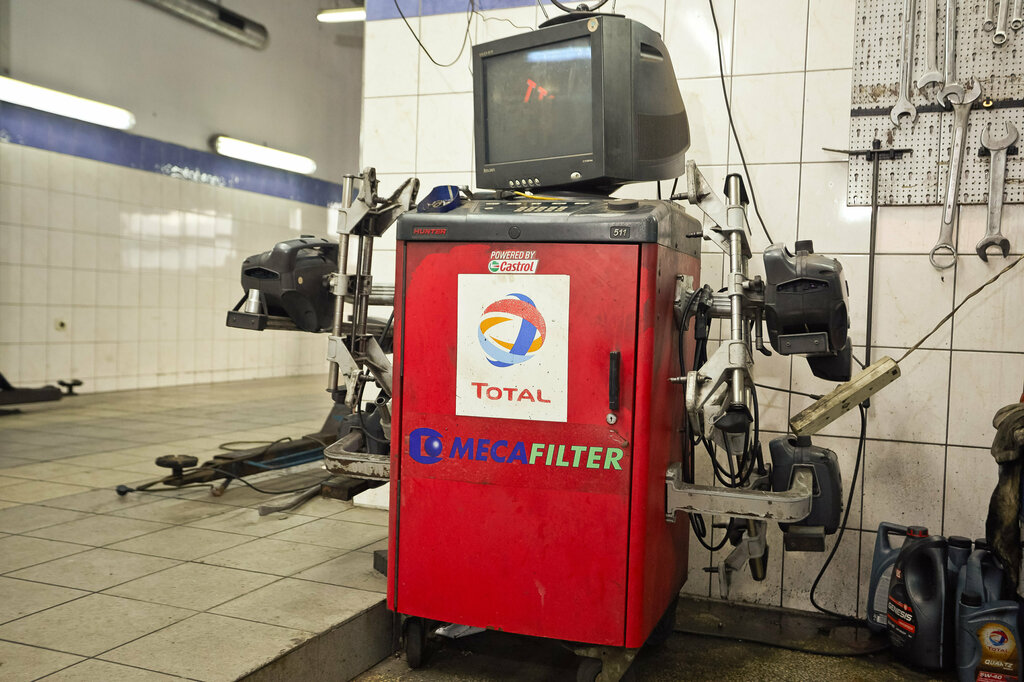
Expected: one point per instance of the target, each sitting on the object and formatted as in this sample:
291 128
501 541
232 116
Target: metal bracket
368 215
784 507
753 545
702 384
338 353
701 195
348 456
379 365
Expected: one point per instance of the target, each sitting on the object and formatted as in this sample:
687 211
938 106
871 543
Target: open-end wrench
951 91
1017 20
990 16
932 75
957 148
1002 33
903 106
996 182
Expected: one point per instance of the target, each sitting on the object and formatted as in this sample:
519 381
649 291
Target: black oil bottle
920 610
881 574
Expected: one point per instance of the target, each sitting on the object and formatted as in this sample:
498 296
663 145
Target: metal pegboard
917 178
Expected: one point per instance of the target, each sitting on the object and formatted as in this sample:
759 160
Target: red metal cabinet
520 501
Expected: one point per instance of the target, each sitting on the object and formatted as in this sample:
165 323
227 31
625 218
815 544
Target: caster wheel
589 669
665 625
415 642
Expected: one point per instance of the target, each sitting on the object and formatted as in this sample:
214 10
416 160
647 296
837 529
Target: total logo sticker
513 346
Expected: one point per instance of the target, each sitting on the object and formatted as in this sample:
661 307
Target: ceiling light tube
338 16
267 156
63 104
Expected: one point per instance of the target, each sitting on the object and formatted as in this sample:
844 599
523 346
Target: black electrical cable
696 520
777 645
732 126
812 396
465 38
230 445
387 328
846 516
241 480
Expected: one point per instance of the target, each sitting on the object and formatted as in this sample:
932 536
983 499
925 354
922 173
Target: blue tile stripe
385 9
42 130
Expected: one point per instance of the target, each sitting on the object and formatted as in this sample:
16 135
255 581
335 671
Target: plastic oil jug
920 608
988 630
881 571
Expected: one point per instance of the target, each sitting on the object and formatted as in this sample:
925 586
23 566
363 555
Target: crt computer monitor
588 105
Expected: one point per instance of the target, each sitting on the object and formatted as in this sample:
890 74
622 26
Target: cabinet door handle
614 363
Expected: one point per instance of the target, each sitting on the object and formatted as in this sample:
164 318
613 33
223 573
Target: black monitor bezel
549 172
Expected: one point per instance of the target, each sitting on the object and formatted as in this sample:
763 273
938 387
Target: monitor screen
539 102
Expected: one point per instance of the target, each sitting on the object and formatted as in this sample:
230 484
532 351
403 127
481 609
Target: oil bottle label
998 653
902 622
878 608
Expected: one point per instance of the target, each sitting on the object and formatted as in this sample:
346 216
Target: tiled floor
98 587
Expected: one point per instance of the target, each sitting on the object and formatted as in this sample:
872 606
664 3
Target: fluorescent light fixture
63 104
267 156
338 16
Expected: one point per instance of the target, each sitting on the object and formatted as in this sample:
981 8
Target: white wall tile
61 172
35 167
770 36
825 217
60 249
397 73
903 484
980 384
446 36
971 475
35 207
709 122
10 284
389 134
34 285
830 34
992 320
826 113
10 204
777 189
973 224
10 324
767 111
690 36
907 229
836 591
909 299
10 244
10 163
445 133
913 407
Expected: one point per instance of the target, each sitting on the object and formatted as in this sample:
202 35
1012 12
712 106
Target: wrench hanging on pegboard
920 178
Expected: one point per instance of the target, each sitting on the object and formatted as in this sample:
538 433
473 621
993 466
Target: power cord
960 305
787 647
846 516
732 126
465 38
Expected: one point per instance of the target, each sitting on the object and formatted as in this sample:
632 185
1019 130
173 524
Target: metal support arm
784 507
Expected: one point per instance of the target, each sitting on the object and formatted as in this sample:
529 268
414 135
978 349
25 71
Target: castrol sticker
512 262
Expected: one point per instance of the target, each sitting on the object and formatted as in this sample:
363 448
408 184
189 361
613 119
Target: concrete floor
98 587
494 657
